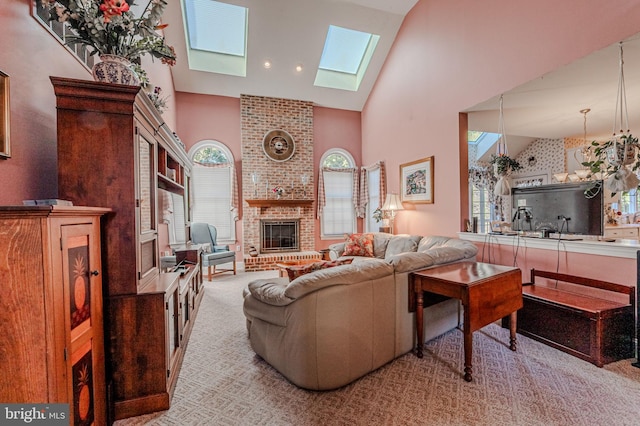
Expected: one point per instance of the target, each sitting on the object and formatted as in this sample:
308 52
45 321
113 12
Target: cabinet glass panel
147 186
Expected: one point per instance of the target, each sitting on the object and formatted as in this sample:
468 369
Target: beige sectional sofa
330 327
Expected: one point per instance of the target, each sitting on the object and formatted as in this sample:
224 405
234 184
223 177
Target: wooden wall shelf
169 185
279 203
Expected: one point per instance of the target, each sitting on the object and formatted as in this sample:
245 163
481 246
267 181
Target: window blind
212 199
338 214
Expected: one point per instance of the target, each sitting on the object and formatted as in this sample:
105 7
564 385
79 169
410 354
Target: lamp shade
392 203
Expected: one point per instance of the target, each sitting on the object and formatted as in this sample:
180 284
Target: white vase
115 69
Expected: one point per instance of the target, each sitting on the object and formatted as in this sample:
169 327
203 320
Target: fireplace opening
279 236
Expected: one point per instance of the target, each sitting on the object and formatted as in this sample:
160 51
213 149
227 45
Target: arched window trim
354 172
214 143
341 151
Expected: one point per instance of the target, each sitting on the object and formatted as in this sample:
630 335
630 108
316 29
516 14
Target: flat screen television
562 207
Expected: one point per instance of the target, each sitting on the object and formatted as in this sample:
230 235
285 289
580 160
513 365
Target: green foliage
336 161
210 155
378 215
600 152
504 164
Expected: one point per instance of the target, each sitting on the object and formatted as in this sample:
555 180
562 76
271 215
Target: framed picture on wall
416 181
530 180
5 146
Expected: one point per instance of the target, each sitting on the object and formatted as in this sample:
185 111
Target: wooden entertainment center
115 151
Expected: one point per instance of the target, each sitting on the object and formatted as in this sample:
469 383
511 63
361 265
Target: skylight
345 58
217 36
344 49
484 142
473 136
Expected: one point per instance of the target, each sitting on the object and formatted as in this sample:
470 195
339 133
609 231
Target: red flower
112 8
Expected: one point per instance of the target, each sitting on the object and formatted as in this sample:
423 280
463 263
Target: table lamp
392 204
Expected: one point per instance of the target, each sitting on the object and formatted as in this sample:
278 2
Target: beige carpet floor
222 382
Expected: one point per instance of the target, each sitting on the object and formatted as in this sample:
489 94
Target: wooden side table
488 292
282 266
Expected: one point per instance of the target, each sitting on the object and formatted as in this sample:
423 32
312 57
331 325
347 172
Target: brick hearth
267 262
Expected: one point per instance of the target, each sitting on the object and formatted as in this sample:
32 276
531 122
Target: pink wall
32 170
451 55
29 54
334 128
203 117
617 270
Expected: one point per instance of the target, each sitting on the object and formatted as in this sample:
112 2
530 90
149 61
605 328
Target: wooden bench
578 320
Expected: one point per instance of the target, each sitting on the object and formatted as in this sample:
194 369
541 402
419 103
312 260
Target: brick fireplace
260 115
279 236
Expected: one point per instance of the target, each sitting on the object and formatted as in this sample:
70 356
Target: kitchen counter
620 247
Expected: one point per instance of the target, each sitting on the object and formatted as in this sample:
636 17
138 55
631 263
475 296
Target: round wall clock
278 145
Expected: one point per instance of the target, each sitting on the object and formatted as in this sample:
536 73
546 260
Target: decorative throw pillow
359 245
297 271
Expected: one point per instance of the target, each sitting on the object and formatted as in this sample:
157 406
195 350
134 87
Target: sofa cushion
402 244
299 270
341 275
414 261
410 261
359 245
428 244
270 291
380 242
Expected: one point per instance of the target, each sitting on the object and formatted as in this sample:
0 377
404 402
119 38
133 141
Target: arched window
337 194
215 199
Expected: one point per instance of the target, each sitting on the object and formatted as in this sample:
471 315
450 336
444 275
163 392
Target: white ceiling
288 33
292 32
549 106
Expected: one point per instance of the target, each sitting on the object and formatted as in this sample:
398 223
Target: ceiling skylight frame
224 56
337 71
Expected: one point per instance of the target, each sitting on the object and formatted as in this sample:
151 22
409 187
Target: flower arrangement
109 27
278 190
154 93
503 164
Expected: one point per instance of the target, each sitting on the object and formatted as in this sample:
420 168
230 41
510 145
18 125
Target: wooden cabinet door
146 206
173 331
81 297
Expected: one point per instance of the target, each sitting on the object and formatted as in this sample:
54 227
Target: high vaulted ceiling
549 106
290 33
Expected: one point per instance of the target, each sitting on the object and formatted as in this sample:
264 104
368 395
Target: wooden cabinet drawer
621 232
